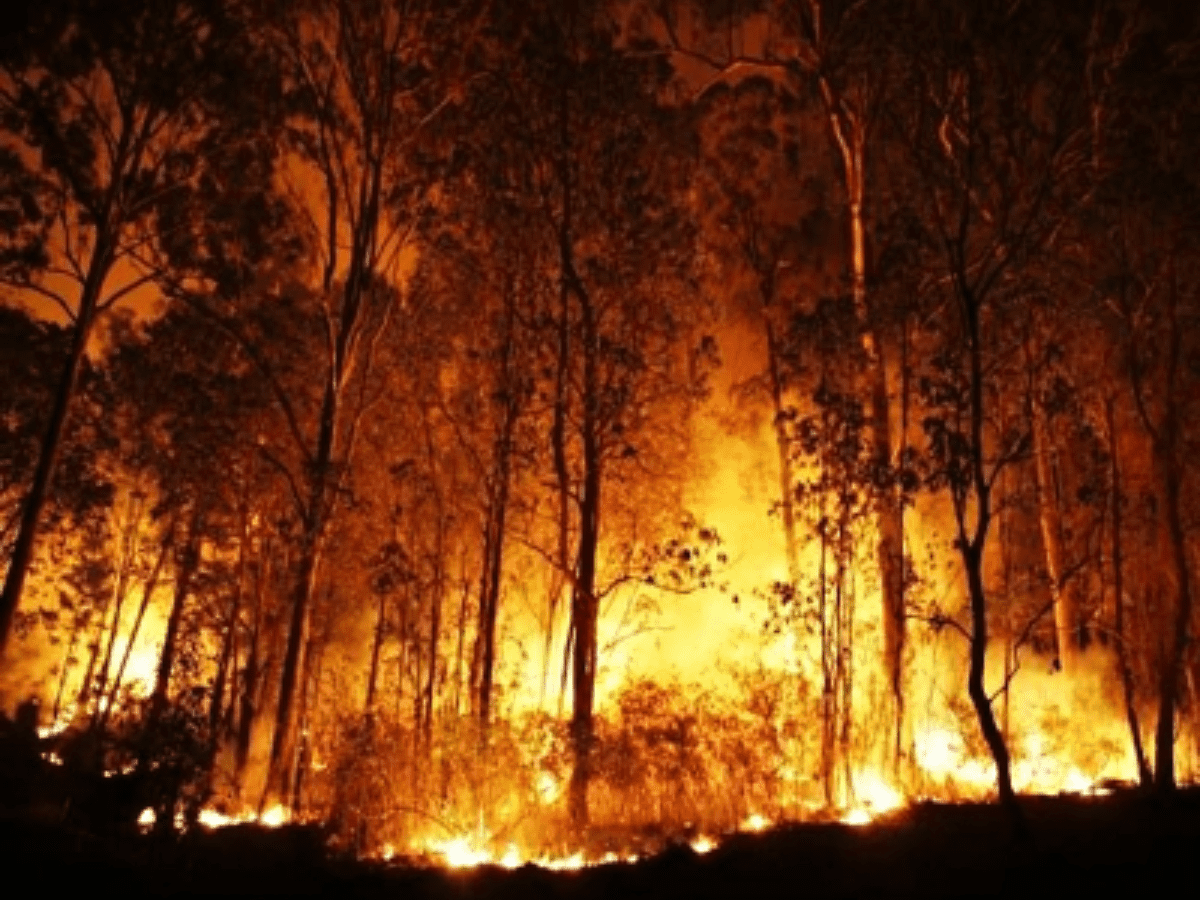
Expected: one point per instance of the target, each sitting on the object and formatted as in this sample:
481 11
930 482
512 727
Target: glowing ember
857 817
704 844
756 823
273 817
470 852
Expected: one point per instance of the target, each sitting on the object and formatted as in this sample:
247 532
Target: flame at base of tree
659 784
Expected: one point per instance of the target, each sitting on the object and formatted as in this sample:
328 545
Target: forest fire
538 436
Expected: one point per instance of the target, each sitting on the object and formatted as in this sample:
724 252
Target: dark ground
1121 843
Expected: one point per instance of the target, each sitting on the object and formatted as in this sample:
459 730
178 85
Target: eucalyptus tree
770 230
843 53
361 84
104 109
999 150
603 164
1139 256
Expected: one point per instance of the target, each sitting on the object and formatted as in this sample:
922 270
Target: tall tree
999 152
104 107
842 50
607 165
365 80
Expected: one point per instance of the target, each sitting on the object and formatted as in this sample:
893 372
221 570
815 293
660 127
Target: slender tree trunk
280 773
1166 439
302 747
1065 615
971 550
464 596
490 602
787 485
584 613
147 594
43 473
251 674
828 633
435 627
584 609
129 550
1164 741
849 132
376 646
498 511
973 560
1118 565
229 638
315 515
188 564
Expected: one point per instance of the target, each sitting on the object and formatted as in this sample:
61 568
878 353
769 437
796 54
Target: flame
876 798
756 822
471 852
272 817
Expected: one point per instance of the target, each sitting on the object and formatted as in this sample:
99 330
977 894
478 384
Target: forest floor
1126 841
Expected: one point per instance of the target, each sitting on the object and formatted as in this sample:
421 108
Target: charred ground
68 829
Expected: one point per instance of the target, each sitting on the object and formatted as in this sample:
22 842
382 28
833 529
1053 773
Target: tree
762 186
105 107
999 155
360 83
841 50
605 165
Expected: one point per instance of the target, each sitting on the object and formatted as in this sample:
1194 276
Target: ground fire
567 439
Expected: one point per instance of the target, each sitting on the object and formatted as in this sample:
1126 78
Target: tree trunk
1166 439
147 594
787 484
1164 746
849 132
584 615
279 778
251 674
315 515
497 514
1118 566
188 564
129 550
973 561
229 638
1065 615
971 551
376 646
43 473
490 601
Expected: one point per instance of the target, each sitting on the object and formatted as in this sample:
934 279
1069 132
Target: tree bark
147 594
229 638
1118 565
971 548
787 484
43 473
376 646
849 133
189 563
129 550
1065 614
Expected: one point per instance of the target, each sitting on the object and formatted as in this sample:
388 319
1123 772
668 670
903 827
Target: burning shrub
390 785
679 759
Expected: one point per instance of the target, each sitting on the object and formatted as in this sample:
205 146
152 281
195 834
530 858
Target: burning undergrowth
667 763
